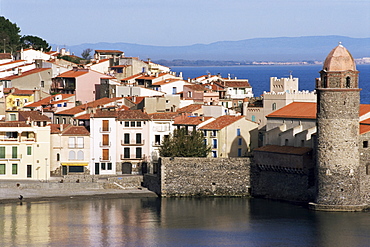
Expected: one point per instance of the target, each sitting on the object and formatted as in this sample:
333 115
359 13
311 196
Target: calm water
259 76
178 222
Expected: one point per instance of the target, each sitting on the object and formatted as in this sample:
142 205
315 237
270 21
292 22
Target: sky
185 22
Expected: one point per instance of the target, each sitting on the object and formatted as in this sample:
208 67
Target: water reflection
177 222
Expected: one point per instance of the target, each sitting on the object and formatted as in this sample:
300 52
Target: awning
75 164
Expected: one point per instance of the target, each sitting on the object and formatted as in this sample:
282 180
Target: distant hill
258 49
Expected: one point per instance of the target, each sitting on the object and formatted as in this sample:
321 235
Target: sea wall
181 177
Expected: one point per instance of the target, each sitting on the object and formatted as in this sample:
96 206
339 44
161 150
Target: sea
259 75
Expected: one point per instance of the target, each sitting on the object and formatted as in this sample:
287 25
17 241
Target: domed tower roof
339 59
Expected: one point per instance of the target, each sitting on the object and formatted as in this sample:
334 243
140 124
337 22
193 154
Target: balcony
105 130
105 159
75 145
11 157
132 143
105 144
132 157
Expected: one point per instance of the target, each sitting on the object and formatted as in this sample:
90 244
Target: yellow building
17 98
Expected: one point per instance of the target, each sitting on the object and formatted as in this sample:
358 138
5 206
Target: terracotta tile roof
75 131
32 116
190 120
83 117
81 108
364 128
132 114
166 81
197 87
190 108
146 77
135 100
234 83
55 128
283 149
23 92
163 115
73 73
26 73
14 124
305 110
221 122
5 56
105 113
295 110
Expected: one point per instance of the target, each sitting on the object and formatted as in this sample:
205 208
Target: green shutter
29 150
14 152
14 169
2 152
2 168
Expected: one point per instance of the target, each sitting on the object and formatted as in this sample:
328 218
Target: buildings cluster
110 115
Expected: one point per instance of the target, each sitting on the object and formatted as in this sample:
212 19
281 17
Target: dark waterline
259 76
178 222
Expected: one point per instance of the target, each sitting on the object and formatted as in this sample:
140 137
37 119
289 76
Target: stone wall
204 177
280 183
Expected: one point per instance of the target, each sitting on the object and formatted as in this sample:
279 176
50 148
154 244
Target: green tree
9 35
86 54
184 144
34 42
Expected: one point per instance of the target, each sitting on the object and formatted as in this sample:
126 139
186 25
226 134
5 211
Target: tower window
274 106
365 144
348 82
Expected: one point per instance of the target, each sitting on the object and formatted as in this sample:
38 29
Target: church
319 153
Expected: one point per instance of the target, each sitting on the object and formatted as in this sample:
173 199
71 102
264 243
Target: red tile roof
190 108
197 87
14 124
5 56
26 73
69 130
108 51
22 92
32 116
132 114
305 110
234 83
190 120
364 128
166 81
73 73
49 100
163 115
221 122
284 149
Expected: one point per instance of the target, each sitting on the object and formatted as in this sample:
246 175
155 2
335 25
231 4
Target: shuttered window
105 125
105 140
105 154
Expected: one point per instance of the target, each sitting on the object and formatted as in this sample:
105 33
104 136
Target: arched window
80 155
348 82
273 106
325 82
71 155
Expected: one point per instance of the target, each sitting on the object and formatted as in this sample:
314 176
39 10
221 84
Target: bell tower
337 159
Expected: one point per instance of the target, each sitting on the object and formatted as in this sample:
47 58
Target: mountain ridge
256 49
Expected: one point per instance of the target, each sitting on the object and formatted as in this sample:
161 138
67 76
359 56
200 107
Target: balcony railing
132 157
11 157
104 158
103 130
75 146
102 144
132 143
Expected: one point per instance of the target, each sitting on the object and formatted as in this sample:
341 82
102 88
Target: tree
184 144
34 42
86 54
9 35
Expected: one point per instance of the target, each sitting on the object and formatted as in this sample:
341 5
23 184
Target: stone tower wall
338 170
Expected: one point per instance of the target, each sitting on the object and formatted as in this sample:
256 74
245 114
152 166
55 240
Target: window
239 152
132 124
42 84
138 153
14 169
138 124
58 157
105 154
214 132
71 142
75 169
126 153
348 82
240 141
59 105
14 152
174 90
138 138
29 150
64 120
157 140
12 117
105 140
105 125
214 143
238 132
253 118
2 169
190 94
365 144
126 138
71 155
214 154
29 171
273 106
205 142
286 142
127 124
80 155
102 166
2 152
80 142
205 133
109 166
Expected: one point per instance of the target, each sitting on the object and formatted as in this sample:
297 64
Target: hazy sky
185 22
